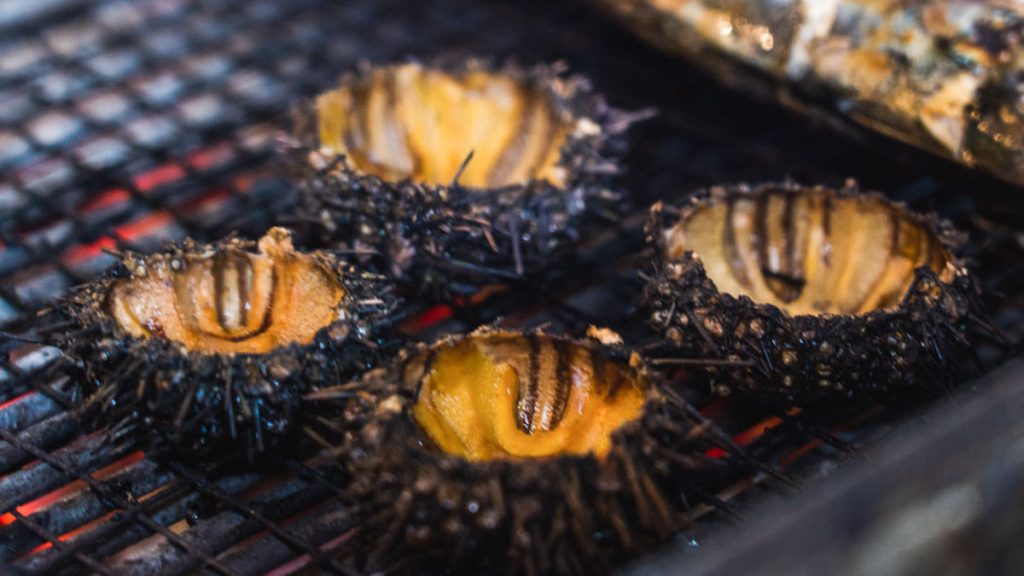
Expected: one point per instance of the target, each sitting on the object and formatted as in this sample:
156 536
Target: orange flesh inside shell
411 122
523 396
235 302
809 252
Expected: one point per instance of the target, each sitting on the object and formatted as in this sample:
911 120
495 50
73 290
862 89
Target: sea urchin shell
453 177
526 452
810 292
214 345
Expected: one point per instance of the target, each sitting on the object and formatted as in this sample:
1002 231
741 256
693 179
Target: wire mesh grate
125 124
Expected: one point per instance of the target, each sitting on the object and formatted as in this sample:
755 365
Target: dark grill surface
124 124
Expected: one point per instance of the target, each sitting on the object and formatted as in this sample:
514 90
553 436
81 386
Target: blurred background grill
125 124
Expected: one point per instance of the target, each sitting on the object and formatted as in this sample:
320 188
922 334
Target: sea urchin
450 177
521 451
208 346
810 292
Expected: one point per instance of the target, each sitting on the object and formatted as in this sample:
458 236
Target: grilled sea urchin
523 452
810 292
460 176
211 346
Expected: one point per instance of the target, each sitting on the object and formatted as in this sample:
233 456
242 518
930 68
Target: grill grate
125 124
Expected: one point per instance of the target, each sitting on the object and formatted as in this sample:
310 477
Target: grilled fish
946 76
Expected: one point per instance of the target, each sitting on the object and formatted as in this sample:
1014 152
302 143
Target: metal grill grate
123 124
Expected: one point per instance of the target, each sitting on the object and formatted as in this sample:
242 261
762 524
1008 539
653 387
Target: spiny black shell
442 240
911 348
205 404
423 511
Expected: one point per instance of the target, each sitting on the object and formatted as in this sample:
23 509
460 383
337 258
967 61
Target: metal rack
124 124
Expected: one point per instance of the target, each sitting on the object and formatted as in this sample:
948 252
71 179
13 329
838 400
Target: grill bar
24 12
54 470
193 549
66 515
53 540
317 492
166 507
46 434
58 465
30 374
326 524
26 411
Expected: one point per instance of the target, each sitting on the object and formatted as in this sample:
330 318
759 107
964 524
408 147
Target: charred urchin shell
424 509
511 165
225 371
812 293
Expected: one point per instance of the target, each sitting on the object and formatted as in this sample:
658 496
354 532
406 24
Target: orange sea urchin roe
233 302
809 252
413 122
523 396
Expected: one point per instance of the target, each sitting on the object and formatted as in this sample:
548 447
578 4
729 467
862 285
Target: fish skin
946 76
